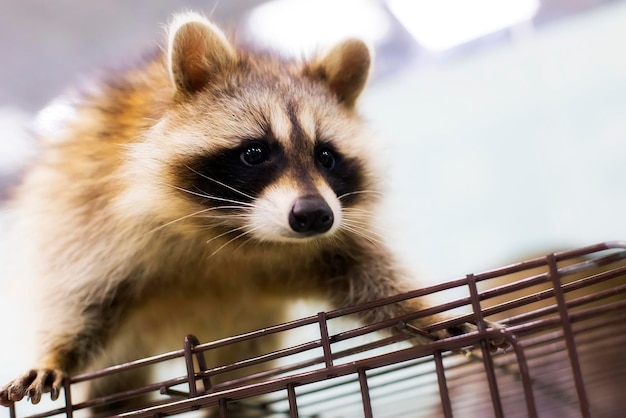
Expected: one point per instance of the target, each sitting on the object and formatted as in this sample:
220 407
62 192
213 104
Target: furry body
201 192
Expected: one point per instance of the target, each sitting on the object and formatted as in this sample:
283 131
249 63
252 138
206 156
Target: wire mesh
565 318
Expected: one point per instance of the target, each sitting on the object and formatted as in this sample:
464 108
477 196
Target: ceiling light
298 27
444 24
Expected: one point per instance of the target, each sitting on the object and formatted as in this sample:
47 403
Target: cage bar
563 312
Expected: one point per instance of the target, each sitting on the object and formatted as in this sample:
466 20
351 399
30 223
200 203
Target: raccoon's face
284 184
264 150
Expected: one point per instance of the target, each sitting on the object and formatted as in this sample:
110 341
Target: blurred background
504 121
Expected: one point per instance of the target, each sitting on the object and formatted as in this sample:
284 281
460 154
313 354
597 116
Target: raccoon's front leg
56 361
46 377
378 276
33 384
71 333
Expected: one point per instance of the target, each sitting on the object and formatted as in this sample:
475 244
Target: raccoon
201 192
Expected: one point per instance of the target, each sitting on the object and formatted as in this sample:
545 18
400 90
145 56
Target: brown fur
117 258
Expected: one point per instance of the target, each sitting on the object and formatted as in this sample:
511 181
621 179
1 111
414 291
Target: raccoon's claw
467 327
33 384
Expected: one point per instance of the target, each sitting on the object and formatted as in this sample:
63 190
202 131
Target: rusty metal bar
569 336
365 394
328 354
67 394
128 394
261 388
546 294
191 373
572 303
443 387
487 360
258 360
307 363
223 408
202 365
164 390
127 366
293 405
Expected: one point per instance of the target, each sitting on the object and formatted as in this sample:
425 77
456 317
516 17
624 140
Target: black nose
311 214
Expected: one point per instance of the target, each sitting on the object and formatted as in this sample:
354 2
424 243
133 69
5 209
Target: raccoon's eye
326 158
255 154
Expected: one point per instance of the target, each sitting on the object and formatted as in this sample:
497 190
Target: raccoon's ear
345 69
198 51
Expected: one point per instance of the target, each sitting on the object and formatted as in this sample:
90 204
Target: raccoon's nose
311 214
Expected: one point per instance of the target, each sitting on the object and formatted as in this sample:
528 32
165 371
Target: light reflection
443 24
304 26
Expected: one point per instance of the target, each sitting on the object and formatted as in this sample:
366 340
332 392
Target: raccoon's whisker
237 215
207 196
358 192
179 219
345 232
358 213
361 226
363 223
233 239
359 216
357 210
221 184
225 233
225 207
243 243
226 216
362 233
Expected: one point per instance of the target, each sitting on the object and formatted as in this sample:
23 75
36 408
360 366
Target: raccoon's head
263 149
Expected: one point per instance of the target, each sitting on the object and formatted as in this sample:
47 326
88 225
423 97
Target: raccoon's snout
311 214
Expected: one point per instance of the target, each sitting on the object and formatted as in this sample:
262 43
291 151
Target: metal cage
565 317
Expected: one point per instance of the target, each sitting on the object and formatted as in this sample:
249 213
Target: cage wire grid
565 320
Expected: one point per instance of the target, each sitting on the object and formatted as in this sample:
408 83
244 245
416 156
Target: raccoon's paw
33 384
467 327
